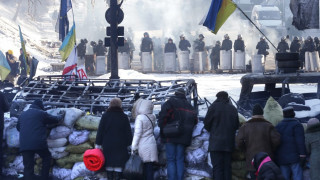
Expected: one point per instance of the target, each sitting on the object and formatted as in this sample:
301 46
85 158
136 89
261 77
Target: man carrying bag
177 119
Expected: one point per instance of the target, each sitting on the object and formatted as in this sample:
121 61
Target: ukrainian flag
218 13
4 66
68 44
24 57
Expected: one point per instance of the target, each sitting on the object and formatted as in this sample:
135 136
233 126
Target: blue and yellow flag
24 66
219 12
4 66
68 44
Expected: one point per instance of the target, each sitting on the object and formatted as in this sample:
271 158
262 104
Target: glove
303 161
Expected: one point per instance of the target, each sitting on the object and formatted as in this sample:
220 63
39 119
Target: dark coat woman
114 134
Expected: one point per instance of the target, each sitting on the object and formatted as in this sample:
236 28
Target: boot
117 175
110 175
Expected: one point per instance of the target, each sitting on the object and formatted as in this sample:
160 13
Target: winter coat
266 169
100 50
184 45
143 139
114 134
295 46
4 107
226 45
146 45
14 65
170 47
292 142
177 108
32 125
199 45
215 54
283 47
238 45
257 135
125 48
262 47
313 149
81 48
221 121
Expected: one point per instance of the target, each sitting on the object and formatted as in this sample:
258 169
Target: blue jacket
32 125
292 142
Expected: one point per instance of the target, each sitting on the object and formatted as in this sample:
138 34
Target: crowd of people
272 152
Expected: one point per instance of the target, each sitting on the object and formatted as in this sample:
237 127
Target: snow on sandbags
88 122
79 148
17 164
56 143
272 111
92 137
78 137
60 132
80 170
61 173
58 153
314 104
72 115
13 137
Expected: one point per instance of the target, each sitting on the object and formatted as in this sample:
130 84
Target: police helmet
81 41
170 39
100 41
316 39
85 40
201 36
218 43
146 34
226 36
239 36
283 38
296 38
309 38
182 36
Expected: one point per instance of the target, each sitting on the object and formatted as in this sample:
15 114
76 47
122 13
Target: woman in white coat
143 140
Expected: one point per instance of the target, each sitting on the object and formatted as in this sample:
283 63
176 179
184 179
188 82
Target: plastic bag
57 142
133 168
60 132
13 139
78 137
72 115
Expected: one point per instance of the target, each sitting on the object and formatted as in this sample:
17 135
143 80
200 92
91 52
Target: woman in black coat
114 135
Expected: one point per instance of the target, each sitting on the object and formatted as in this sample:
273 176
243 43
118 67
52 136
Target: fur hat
222 94
288 112
257 110
313 121
115 102
38 103
180 91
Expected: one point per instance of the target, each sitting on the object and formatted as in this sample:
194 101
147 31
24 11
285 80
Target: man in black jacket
239 44
295 46
146 43
215 56
184 44
170 47
33 138
4 107
222 122
262 46
177 109
226 43
283 46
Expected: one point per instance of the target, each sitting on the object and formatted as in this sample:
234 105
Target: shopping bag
133 168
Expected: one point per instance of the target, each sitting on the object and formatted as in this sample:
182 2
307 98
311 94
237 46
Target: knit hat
115 102
313 121
288 112
257 110
38 103
222 94
180 91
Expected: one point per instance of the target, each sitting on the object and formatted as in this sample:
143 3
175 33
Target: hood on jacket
37 104
145 107
258 158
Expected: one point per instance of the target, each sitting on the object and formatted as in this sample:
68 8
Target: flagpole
256 27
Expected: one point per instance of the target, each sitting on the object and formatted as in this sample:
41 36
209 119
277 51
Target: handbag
173 129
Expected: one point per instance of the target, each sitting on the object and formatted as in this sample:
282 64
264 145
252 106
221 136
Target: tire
287 56
288 70
288 64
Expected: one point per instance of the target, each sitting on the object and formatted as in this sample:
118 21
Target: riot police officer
226 43
184 44
146 44
239 44
283 45
170 47
295 46
215 56
100 49
125 48
199 44
81 48
262 47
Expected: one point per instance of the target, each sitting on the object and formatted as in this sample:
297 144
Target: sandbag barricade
94 159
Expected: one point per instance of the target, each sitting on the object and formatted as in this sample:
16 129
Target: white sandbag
56 143
72 115
242 119
78 137
198 129
58 153
195 144
198 172
9 123
205 146
60 132
80 170
61 173
196 156
17 164
12 136
272 111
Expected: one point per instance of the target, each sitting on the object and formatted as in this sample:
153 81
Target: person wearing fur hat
313 147
177 110
32 125
291 154
266 169
114 136
257 135
221 122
